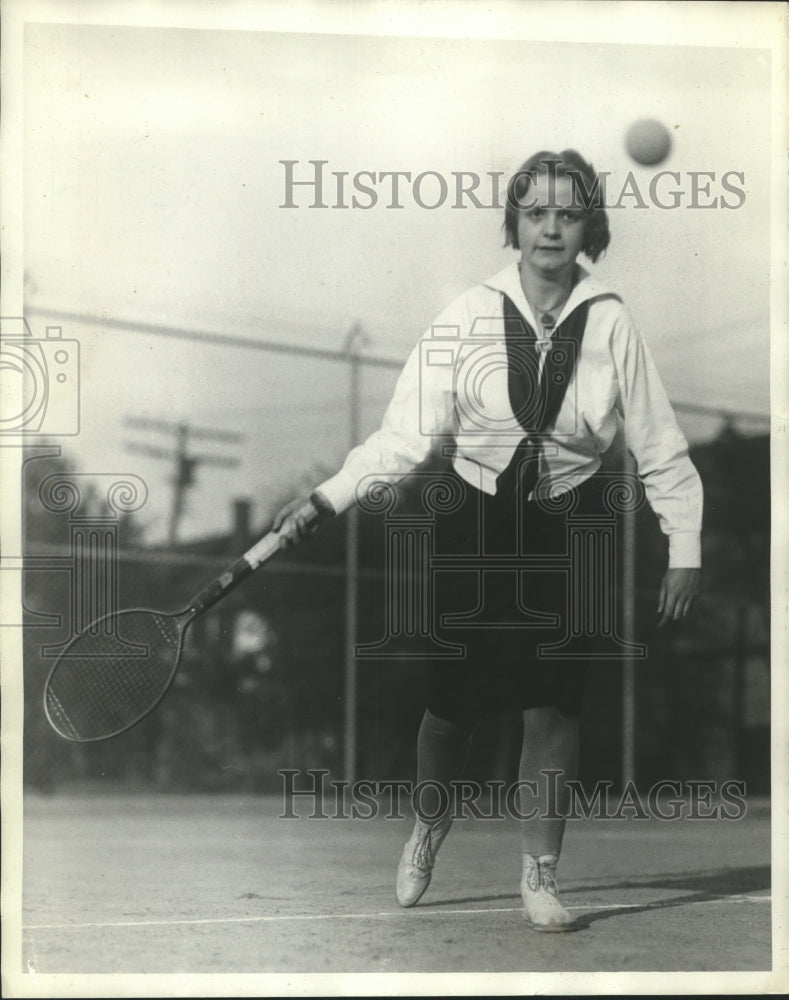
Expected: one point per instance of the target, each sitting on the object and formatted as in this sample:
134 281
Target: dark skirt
527 590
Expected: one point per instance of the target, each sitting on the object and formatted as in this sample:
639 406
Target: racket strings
105 682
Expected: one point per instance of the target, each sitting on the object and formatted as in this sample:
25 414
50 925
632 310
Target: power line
217 339
322 353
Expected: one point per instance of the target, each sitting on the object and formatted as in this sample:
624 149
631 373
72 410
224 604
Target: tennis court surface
200 884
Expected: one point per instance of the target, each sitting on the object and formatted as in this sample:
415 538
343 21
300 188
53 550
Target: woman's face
551 230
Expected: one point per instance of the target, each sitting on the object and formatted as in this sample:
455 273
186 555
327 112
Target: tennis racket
116 671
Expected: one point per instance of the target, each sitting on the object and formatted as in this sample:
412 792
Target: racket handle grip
222 585
309 514
267 547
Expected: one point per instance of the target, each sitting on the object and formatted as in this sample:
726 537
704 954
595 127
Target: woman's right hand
299 518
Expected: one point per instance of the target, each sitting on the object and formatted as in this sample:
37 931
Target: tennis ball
648 141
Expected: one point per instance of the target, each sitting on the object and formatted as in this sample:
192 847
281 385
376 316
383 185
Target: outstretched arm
420 411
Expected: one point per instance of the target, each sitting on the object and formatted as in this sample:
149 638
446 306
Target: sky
153 194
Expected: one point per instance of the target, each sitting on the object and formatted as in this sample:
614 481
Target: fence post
628 628
353 342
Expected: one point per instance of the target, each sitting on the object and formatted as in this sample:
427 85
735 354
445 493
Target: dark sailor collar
586 288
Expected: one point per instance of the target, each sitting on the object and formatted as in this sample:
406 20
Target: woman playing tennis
563 362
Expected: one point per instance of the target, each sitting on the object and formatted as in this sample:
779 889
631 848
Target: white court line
421 912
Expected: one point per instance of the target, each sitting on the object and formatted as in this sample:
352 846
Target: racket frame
187 614
261 552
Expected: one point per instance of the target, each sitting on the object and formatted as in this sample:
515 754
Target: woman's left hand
677 592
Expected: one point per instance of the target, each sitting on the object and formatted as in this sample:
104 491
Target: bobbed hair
588 196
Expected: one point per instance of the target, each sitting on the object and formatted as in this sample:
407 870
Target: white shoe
542 910
419 856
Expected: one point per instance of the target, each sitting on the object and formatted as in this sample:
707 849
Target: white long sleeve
670 479
421 409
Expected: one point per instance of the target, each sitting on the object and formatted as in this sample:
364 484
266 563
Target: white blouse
455 383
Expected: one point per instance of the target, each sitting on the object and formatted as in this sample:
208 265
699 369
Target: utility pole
185 462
